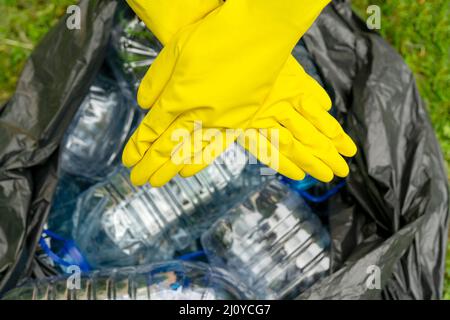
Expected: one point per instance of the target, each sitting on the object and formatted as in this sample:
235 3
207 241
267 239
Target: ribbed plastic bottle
273 241
163 281
118 224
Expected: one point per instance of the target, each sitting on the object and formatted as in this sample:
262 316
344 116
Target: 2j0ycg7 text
236 309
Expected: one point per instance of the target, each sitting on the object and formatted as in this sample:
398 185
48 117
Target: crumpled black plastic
393 214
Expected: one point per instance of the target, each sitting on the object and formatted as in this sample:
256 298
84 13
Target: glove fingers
301 128
173 145
294 73
156 78
152 126
141 172
152 162
165 173
258 145
192 169
214 146
171 168
303 157
345 145
320 118
320 145
326 123
134 149
180 133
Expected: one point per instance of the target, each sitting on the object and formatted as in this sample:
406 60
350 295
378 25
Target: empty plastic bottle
92 145
133 50
118 224
272 241
164 281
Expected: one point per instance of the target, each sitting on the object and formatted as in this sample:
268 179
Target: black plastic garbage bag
392 217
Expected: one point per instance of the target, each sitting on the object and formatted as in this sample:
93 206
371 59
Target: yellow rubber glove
306 131
305 146
166 18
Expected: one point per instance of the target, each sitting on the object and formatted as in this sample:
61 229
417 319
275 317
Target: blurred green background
418 29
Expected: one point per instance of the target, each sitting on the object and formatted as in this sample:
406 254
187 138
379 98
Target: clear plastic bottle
272 241
133 50
93 142
163 281
118 224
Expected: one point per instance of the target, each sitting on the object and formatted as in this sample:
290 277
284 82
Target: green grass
22 25
418 29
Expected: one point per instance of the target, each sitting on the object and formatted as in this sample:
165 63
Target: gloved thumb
156 78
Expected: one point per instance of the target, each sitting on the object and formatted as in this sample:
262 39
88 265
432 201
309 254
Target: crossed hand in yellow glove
222 71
